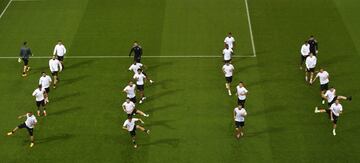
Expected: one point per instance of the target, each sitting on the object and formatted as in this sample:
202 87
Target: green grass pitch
191 114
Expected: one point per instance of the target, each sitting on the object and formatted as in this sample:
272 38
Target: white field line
153 56
6 7
250 28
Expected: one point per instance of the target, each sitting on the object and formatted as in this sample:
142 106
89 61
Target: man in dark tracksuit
313 45
137 52
25 54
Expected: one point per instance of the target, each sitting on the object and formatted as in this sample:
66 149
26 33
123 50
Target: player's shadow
65 111
244 68
83 63
265 131
162 83
173 142
73 80
59 137
159 108
268 110
162 94
38 70
160 65
162 123
66 96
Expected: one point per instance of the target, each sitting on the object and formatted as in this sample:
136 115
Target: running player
137 52
227 53
55 67
29 124
45 82
135 66
239 117
241 92
130 92
310 63
331 97
305 51
140 79
313 45
40 94
59 52
228 72
131 126
324 82
129 108
230 41
335 111
25 54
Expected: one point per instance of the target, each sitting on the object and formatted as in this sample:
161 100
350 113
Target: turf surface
191 115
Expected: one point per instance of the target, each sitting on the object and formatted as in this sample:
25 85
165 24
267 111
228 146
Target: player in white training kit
335 111
310 63
55 67
331 97
230 41
136 66
129 108
140 79
29 124
60 51
131 126
40 94
228 70
239 118
241 92
305 51
130 92
324 82
45 82
227 53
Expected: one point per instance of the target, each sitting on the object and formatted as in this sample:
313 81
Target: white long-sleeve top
55 65
305 50
59 50
310 62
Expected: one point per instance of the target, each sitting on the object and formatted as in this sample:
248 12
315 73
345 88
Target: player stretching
228 71
29 124
135 66
324 82
310 67
227 52
230 41
131 126
140 79
241 92
40 94
45 82
137 52
130 92
59 52
25 54
129 108
331 97
305 51
55 67
239 117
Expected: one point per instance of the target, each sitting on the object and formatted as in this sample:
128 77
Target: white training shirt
55 65
324 77
39 94
45 81
135 67
305 50
140 78
229 41
310 62
241 92
129 107
330 95
30 121
130 91
227 54
336 109
59 50
240 114
228 69
130 124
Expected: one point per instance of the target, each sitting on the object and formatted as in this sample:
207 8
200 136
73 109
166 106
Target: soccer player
137 52
29 124
140 79
135 66
331 97
130 92
60 51
131 126
129 108
310 67
55 66
228 70
40 94
239 117
227 52
313 45
241 92
324 81
230 41
45 81
305 51
25 54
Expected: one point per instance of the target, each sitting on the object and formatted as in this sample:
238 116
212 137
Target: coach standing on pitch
313 45
25 54
137 52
